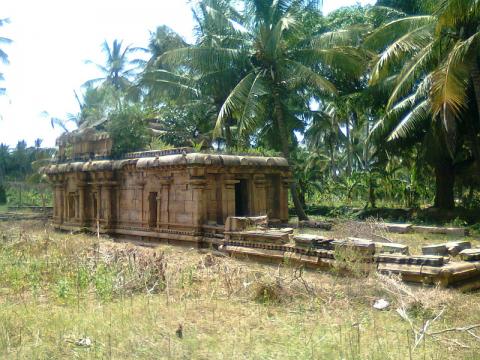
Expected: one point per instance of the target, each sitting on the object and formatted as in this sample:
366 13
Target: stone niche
176 195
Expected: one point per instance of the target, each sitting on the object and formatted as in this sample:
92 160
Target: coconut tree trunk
228 135
475 74
444 181
349 150
283 134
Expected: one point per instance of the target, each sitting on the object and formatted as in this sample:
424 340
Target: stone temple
177 195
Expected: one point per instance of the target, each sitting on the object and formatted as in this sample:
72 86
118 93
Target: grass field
77 296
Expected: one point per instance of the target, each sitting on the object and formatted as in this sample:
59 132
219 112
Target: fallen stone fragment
313 241
470 254
393 248
398 228
315 224
438 249
454 247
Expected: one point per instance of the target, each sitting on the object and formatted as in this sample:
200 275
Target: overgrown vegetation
66 295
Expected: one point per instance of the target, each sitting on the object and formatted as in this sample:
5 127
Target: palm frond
391 31
301 74
408 44
420 114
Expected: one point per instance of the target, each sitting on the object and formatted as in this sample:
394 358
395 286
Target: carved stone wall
176 197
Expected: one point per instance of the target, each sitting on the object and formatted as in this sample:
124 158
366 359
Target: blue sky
52 40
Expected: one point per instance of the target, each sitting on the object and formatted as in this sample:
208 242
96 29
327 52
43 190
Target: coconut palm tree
278 59
118 69
435 66
3 54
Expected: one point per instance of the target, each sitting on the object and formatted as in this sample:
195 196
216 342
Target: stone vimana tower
176 195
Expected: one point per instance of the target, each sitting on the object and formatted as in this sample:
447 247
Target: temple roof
187 159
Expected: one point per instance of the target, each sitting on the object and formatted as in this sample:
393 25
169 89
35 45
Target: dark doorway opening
241 198
152 205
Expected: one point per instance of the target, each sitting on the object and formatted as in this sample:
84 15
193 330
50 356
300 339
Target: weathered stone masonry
170 195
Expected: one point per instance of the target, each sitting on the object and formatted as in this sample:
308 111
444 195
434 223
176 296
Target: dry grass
129 302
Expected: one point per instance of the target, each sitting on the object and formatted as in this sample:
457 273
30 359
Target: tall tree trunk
280 118
349 149
444 181
475 74
228 135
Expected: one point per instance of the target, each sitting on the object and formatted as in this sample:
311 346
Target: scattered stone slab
437 249
440 230
427 260
470 254
393 248
455 247
313 241
363 246
241 223
398 228
315 224
265 236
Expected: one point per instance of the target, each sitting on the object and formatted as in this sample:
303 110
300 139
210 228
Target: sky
52 39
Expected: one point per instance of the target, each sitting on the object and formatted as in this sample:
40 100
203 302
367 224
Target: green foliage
3 195
127 130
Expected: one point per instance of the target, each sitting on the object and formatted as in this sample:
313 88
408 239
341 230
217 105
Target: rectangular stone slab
398 228
470 254
438 249
425 260
440 230
393 248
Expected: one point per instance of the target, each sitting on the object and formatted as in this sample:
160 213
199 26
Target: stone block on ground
438 249
315 224
440 230
313 241
241 223
363 246
393 248
470 254
455 247
398 228
277 237
425 260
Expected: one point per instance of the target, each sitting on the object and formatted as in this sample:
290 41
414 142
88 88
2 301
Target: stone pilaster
259 195
199 201
164 214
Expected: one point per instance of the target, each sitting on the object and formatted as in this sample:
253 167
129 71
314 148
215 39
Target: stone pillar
81 185
59 203
228 198
107 200
199 203
259 195
159 208
164 212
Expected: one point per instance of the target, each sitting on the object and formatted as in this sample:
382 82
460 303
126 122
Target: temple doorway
241 198
152 206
